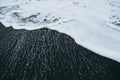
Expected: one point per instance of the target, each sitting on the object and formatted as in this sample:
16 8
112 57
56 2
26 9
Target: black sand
45 54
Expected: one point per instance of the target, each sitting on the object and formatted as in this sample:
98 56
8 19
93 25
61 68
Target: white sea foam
94 24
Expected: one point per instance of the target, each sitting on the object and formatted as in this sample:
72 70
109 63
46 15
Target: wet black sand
45 54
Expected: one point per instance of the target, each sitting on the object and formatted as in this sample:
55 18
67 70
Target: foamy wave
89 22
